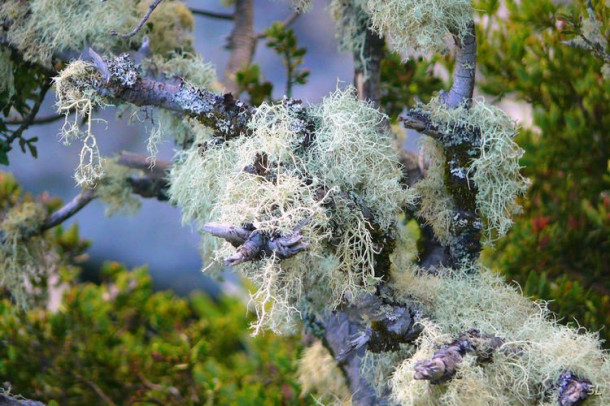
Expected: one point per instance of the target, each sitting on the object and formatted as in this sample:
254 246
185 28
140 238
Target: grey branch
70 209
228 116
8 400
242 44
212 14
253 244
149 12
444 363
464 71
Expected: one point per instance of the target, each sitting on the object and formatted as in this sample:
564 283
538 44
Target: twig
67 211
30 118
213 14
151 8
42 120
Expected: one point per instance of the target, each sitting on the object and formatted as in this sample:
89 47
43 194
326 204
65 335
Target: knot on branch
444 363
573 390
254 244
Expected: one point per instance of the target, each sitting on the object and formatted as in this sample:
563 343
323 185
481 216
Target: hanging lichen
114 189
23 251
334 184
7 83
420 25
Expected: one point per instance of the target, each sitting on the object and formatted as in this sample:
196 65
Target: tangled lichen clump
421 25
524 370
350 23
76 95
335 184
495 167
42 28
23 253
113 189
320 375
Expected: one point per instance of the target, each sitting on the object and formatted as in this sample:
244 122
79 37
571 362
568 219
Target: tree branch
242 44
67 211
253 244
8 400
464 72
151 8
212 14
123 82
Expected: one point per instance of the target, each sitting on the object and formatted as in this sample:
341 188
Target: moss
524 370
42 28
23 253
420 25
319 375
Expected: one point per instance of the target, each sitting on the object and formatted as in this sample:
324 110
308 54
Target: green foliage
249 81
124 343
404 83
32 83
284 42
560 248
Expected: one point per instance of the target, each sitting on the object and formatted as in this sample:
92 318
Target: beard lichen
420 25
336 183
42 28
113 189
495 167
76 96
23 251
524 370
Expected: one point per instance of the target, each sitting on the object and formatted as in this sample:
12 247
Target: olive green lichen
335 183
23 252
525 370
7 83
435 203
77 97
42 28
495 167
420 25
320 376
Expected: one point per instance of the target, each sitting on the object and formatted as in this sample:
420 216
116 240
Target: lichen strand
76 99
419 25
23 252
328 172
351 23
43 28
485 153
525 370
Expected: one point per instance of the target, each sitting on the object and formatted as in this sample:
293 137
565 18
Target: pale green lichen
24 254
76 99
319 375
435 203
189 67
495 167
42 28
537 350
351 22
113 189
420 25
331 190
7 83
